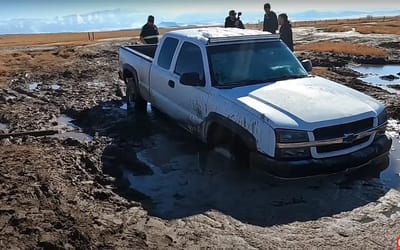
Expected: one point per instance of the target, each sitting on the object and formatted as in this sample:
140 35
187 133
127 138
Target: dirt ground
104 178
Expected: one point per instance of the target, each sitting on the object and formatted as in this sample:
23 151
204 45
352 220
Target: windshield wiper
239 84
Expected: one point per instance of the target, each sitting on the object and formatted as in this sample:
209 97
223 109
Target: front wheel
230 145
133 97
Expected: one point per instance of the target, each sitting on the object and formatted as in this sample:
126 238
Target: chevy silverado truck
245 91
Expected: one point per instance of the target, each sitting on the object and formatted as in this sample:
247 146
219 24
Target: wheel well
218 133
126 74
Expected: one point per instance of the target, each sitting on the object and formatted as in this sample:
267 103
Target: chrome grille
339 131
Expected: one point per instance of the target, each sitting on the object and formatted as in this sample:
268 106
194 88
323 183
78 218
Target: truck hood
301 102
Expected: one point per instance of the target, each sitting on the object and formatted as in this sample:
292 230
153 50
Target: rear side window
190 60
167 52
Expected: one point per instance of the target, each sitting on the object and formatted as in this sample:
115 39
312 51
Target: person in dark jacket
232 21
149 33
270 19
285 30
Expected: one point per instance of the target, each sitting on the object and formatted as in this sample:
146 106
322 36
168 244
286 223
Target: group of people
271 24
149 33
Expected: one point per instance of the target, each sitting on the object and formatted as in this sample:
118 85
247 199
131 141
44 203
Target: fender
235 128
128 68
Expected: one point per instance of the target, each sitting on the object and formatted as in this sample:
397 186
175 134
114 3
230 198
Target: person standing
285 30
232 21
270 19
149 33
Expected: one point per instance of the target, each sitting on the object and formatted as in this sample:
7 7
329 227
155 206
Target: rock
5 142
71 142
389 78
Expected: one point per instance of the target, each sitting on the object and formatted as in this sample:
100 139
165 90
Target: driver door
191 100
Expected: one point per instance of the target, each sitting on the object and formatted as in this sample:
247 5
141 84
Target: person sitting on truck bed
149 33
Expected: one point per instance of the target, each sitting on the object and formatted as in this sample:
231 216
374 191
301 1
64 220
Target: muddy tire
133 97
225 139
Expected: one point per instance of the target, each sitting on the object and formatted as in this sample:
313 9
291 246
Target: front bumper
303 168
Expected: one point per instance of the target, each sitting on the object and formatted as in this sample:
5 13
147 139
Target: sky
36 16
50 8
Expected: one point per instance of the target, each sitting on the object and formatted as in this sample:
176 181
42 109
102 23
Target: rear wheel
133 97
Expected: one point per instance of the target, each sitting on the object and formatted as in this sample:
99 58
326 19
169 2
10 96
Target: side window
190 60
167 52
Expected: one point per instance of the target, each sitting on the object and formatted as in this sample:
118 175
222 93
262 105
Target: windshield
251 63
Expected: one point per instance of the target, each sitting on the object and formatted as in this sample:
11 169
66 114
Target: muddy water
375 75
70 130
188 179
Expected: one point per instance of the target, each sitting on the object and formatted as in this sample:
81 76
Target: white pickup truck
245 91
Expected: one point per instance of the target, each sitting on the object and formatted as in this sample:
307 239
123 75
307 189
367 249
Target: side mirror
307 65
191 79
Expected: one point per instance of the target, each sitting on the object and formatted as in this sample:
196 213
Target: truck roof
217 34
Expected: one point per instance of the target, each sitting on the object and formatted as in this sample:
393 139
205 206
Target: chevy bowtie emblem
349 138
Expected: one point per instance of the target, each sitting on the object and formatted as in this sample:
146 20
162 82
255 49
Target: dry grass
72 39
61 39
322 72
341 47
19 63
384 25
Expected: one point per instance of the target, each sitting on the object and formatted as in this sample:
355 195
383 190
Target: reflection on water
377 75
391 176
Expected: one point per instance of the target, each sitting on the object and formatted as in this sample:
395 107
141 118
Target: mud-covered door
160 77
191 98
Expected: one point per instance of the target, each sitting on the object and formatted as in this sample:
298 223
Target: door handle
171 84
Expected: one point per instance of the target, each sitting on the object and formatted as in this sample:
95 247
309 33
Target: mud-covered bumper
303 168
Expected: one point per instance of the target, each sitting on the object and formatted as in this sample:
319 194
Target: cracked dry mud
114 179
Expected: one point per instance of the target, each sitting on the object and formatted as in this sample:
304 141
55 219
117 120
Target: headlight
382 117
291 136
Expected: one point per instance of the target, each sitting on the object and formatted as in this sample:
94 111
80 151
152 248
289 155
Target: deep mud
118 179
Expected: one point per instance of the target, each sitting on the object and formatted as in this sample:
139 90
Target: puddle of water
34 86
3 126
374 73
188 179
55 87
391 176
71 130
74 135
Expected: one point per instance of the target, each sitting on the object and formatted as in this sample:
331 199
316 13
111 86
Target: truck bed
146 51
